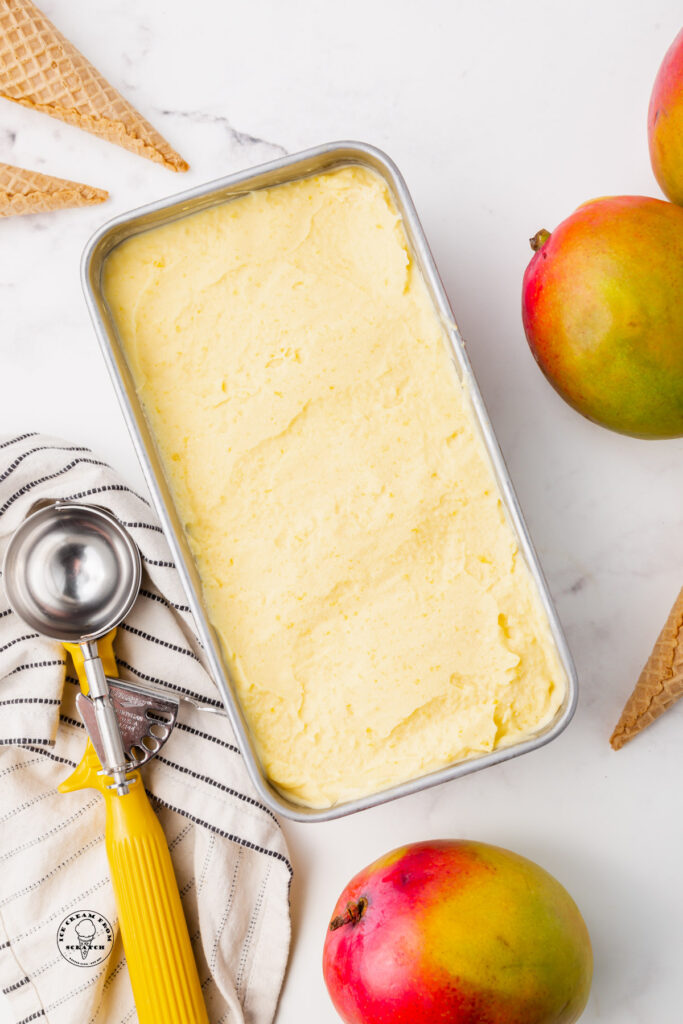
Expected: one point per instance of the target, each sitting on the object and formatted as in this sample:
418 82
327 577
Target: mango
456 932
602 306
665 123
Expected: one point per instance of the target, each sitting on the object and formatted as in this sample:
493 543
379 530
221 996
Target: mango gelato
375 614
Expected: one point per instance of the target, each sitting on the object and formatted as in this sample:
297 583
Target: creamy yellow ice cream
375 613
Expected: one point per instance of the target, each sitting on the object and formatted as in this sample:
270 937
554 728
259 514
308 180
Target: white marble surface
503 117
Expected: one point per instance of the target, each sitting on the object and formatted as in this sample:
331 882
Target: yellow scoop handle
156 941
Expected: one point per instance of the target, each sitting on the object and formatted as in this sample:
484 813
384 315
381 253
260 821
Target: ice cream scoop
73 573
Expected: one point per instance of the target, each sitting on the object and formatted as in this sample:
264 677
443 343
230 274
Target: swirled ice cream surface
375 613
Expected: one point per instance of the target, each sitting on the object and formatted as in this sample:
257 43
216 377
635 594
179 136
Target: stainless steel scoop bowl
73 573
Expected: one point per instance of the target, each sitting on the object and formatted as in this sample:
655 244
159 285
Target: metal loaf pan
312 161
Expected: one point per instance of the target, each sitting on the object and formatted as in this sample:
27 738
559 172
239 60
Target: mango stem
539 239
352 915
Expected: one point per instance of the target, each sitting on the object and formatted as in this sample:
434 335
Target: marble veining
240 137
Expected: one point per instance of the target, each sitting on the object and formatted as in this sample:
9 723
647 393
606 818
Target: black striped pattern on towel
229 854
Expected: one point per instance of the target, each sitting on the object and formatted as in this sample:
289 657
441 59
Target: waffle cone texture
660 684
23 191
42 70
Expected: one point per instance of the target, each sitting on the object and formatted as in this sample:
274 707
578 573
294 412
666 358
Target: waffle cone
23 191
660 684
41 69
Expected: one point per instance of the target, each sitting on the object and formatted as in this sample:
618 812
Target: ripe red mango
457 932
602 312
665 123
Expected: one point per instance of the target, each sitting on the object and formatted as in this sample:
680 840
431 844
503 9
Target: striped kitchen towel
229 854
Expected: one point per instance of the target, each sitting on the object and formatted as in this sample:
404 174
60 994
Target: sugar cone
42 70
661 681
23 191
